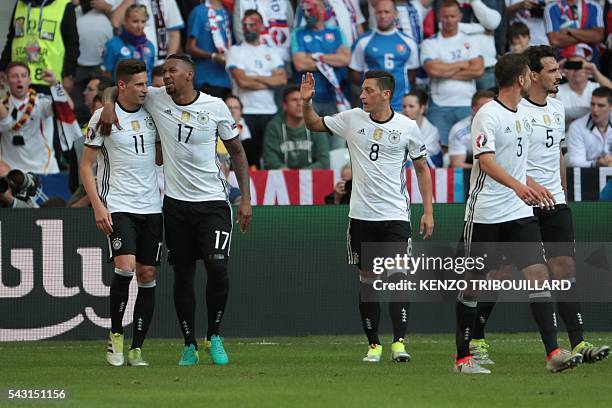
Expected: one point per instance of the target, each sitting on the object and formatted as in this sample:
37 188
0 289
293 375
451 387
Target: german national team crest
149 123
378 134
117 244
481 141
394 137
185 116
136 126
518 126
203 117
547 120
557 117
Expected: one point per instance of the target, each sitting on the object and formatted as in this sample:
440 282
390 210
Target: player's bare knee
145 273
125 262
536 273
562 267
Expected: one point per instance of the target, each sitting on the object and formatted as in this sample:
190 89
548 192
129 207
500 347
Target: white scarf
328 72
222 45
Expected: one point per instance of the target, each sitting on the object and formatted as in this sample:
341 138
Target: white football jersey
506 133
127 180
36 154
188 135
543 163
379 152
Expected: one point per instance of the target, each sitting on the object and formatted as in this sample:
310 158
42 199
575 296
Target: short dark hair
449 3
105 82
251 12
17 64
517 29
158 71
483 93
186 58
509 67
232 96
288 90
385 80
126 68
535 54
420 95
603 92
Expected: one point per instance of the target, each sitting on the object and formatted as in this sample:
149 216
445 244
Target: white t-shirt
127 179
36 154
543 163
379 152
576 105
460 138
188 135
431 137
450 92
95 29
585 143
537 28
254 60
172 21
506 133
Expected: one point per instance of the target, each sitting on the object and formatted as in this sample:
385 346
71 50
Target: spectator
322 50
387 48
59 49
519 37
342 189
414 106
287 142
158 76
571 22
93 19
27 132
460 138
163 28
576 93
131 43
235 106
209 38
342 14
410 15
452 62
94 86
256 69
278 18
530 13
589 139
483 41
7 198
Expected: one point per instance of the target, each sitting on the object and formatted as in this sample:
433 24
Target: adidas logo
361 132
508 130
168 111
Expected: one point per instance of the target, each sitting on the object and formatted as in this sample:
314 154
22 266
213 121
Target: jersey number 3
188 129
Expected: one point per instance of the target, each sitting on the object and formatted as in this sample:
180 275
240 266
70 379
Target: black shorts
480 239
197 230
360 231
557 230
137 234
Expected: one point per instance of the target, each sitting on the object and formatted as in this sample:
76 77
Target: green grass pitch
305 372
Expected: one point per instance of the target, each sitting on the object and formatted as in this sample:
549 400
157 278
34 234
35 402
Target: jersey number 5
549 138
180 132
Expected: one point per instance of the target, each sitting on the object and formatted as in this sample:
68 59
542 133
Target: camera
22 185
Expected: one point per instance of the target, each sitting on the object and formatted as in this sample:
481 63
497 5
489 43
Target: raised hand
307 87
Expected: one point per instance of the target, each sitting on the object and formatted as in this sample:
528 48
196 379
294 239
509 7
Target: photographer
26 141
12 183
342 189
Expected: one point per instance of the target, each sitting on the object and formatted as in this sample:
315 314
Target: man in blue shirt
209 36
388 49
314 44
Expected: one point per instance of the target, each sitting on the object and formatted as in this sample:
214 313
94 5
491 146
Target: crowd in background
252 53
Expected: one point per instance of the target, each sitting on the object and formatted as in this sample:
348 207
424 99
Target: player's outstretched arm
104 221
108 118
424 179
313 122
241 169
497 173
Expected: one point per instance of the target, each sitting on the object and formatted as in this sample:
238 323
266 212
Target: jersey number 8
374 152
